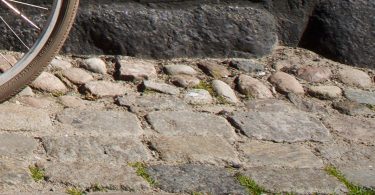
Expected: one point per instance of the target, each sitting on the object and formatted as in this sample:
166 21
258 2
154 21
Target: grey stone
161 87
281 124
352 108
151 102
360 130
259 154
224 90
59 64
198 97
95 149
77 76
213 69
286 83
355 78
108 123
212 150
306 104
298 181
135 70
190 123
360 96
105 88
87 174
20 118
247 65
12 145
314 74
49 83
180 69
185 81
253 88
325 92
13 175
195 178
26 92
96 65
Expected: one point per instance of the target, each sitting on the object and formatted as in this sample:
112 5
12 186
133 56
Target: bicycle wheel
35 31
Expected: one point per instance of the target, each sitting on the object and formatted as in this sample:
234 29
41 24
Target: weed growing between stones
36 173
97 188
75 191
206 86
142 172
353 189
252 187
372 107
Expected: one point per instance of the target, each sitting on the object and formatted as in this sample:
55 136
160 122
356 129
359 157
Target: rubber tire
56 40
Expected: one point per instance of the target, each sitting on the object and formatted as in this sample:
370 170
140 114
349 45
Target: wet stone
360 96
210 150
325 92
136 70
171 123
213 69
355 78
247 65
96 65
105 89
314 74
85 175
258 154
95 149
281 124
161 87
77 76
49 83
151 102
108 123
224 90
286 83
195 178
359 130
198 97
12 145
296 181
252 87
185 81
180 70
20 118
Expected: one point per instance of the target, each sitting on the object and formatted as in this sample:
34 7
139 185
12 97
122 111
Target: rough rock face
344 31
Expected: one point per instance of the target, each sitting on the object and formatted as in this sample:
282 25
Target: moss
353 189
372 107
36 173
222 100
141 171
206 86
252 187
97 188
75 191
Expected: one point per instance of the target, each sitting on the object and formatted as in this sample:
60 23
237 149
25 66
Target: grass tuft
36 173
206 86
142 172
74 191
252 187
353 189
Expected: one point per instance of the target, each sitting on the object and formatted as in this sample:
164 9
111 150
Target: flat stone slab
109 123
13 174
361 130
281 124
296 181
173 123
195 178
105 89
19 118
191 149
360 96
85 175
161 87
95 149
13 145
258 154
135 70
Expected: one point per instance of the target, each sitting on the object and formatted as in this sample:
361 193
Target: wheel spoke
15 34
6 59
18 12
28 4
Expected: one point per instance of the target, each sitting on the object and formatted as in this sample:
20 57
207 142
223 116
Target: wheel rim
36 48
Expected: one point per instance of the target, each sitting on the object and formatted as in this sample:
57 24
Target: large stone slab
95 149
13 175
258 154
195 178
296 181
280 123
195 149
86 175
190 123
360 96
13 145
109 123
19 118
361 130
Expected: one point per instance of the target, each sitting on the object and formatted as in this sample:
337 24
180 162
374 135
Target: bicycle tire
43 51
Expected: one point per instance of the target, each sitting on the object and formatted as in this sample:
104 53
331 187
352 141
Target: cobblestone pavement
292 122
